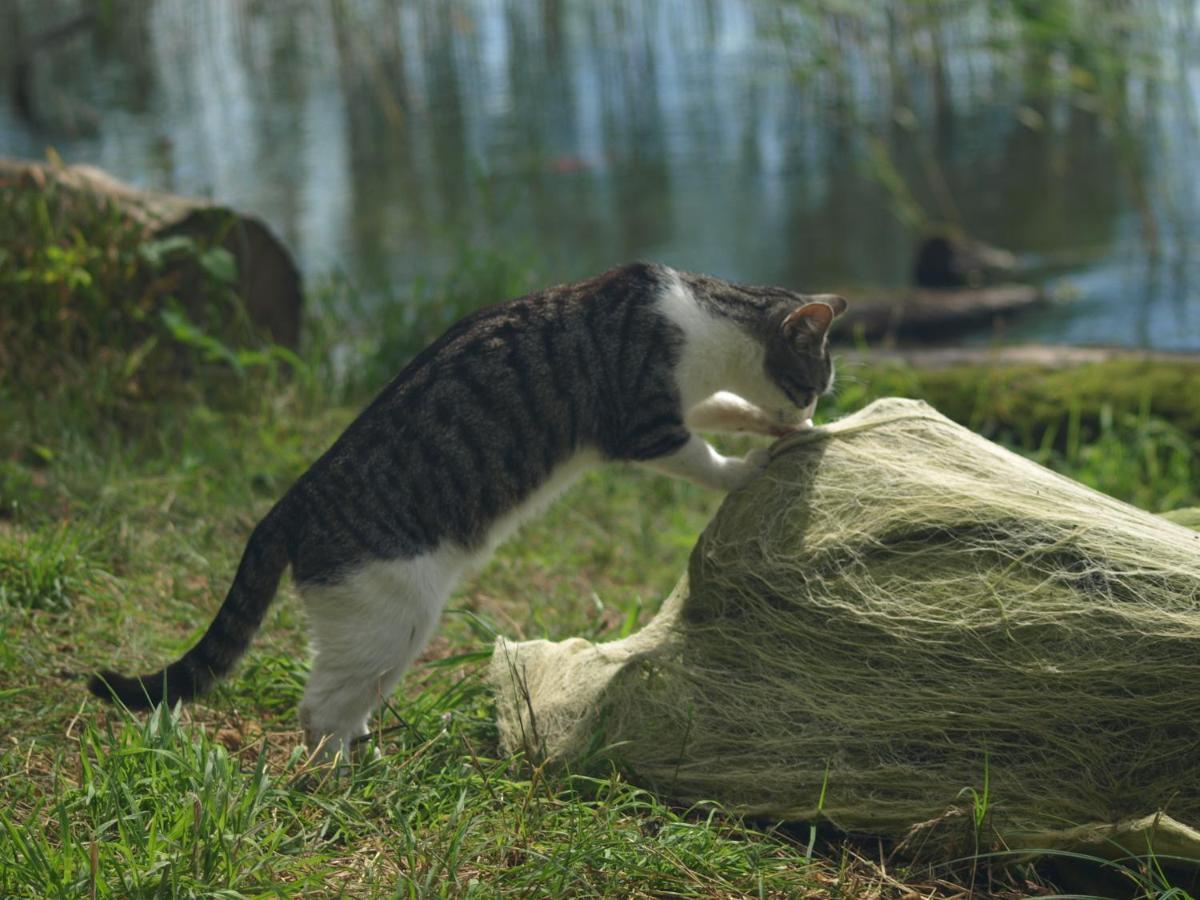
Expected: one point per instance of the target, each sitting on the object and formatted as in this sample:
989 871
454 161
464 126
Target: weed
43 570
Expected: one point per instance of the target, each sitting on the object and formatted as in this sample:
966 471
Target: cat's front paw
781 431
748 467
789 421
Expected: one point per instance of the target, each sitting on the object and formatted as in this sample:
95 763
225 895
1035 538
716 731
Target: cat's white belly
560 479
423 582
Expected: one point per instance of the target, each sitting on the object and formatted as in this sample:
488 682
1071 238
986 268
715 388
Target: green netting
903 628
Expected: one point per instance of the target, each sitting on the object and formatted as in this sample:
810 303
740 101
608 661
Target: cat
480 431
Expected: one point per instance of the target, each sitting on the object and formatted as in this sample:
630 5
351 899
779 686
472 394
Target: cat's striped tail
227 638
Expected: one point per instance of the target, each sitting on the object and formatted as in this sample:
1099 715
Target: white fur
717 354
366 630
720 365
720 358
697 461
728 412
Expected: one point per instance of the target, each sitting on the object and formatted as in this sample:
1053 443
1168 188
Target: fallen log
925 313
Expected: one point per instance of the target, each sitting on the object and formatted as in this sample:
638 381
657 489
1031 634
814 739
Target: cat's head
796 361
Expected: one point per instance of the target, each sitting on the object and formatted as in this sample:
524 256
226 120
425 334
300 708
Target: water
753 139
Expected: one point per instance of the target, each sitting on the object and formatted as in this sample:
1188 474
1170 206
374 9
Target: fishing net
909 631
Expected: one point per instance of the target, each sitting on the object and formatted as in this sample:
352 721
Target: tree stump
268 280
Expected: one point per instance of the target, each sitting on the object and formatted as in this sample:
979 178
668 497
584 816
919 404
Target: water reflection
764 141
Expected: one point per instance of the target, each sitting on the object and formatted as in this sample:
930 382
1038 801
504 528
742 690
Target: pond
760 140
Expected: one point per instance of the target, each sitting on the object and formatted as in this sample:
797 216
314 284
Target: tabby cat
481 430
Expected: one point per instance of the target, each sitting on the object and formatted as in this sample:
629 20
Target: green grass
120 531
122 557
43 569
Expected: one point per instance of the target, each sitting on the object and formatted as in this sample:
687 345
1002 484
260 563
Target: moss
1023 401
1189 517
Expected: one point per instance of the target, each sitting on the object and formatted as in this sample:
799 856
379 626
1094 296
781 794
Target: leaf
220 264
135 359
155 252
186 332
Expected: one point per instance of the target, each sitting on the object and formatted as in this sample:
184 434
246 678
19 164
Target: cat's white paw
781 431
748 467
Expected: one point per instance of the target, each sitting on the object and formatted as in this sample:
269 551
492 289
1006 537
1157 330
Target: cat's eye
800 395
803 390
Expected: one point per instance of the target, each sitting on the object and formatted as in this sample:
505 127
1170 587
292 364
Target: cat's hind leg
366 628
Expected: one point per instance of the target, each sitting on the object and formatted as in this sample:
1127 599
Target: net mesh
909 631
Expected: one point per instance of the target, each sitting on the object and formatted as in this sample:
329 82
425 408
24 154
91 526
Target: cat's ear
815 317
833 301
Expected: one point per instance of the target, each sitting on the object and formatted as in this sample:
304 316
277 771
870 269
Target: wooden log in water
268 280
927 313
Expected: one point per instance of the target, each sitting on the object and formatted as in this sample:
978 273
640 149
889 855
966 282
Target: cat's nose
834 301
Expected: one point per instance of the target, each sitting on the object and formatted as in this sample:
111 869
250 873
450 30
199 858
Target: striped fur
477 433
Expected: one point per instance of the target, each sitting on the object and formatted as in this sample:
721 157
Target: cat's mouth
791 395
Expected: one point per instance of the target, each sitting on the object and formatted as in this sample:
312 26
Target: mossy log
269 282
1046 356
1025 390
